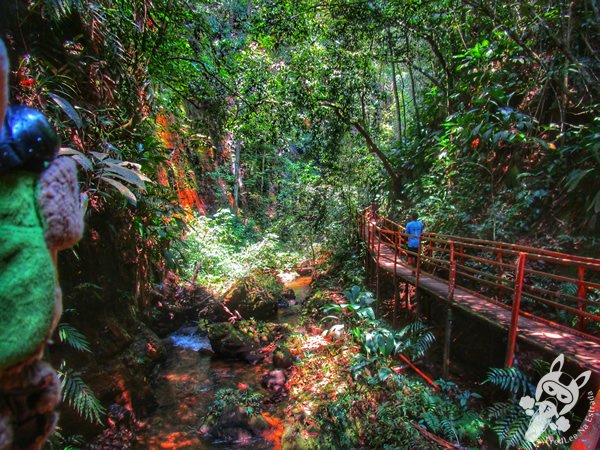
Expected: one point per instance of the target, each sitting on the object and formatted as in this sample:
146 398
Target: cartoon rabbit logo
555 395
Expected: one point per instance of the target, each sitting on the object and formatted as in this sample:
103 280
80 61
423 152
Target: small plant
75 391
379 342
248 400
448 415
80 396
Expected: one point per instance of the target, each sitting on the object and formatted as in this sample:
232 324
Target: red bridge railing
558 289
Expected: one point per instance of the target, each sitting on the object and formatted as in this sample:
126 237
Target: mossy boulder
255 296
233 340
242 339
235 416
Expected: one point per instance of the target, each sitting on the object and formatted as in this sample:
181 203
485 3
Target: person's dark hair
415 216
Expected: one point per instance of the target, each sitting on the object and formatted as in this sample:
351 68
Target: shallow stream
189 379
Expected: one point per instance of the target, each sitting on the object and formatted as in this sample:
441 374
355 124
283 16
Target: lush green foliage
345 393
450 416
79 396
75 392
250 402
379 342
220 250
294 115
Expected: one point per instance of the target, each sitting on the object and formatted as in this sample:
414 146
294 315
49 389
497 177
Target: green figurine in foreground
39 215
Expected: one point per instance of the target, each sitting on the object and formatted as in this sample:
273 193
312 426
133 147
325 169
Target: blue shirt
414 228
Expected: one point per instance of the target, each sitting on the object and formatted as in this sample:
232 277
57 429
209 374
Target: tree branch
371 144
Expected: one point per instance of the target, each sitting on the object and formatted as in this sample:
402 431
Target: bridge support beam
447 341
396 299
448 333
377 291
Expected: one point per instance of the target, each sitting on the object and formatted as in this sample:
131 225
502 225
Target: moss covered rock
235 416
255 296
232 340
243 339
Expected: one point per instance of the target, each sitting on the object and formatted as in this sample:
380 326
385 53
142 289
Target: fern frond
511 425
421 344
73 337
57 10
500 409
431 422
515 436
449 429
80 397
569 288
510 379
414 339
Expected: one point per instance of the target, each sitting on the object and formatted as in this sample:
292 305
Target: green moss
312 308
255 296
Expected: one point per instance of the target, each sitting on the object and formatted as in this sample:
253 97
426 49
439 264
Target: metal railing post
417 278
500 274
448 333
373 236
516 306
581 321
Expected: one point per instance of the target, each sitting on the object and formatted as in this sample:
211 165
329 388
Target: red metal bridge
546 298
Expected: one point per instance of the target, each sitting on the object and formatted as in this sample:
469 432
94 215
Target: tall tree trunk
413 91
404 109
237 178
397 103
262 172
395 89
373 148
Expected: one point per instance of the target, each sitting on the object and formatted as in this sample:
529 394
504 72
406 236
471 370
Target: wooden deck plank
584 352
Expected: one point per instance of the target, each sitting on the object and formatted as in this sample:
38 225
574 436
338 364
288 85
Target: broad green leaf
125 174
384 373
67 108
78 157
575 178
124 190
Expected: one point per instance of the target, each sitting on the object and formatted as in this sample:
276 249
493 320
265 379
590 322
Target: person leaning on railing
414 229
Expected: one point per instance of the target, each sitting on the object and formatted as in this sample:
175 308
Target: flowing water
189 379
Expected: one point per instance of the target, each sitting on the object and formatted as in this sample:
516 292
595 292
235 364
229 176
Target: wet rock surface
255 296
275 380
229 341
177 304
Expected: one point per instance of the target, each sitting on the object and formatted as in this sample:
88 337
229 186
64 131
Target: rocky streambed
208 401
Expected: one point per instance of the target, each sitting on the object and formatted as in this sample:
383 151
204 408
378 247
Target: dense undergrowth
220 250
351 390
366 398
